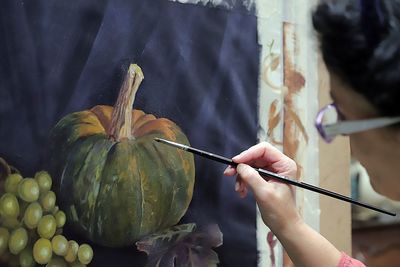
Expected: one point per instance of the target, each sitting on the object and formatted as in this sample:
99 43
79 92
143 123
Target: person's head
360 44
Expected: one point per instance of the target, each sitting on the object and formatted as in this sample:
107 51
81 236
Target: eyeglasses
329 123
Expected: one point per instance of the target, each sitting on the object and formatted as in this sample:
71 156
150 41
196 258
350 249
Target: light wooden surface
335 220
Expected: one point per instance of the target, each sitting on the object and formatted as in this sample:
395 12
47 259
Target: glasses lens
326 116
330 115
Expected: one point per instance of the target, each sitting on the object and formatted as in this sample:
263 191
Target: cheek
385 186
363 151
360 147
382 173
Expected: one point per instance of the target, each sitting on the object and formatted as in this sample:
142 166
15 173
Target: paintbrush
267 174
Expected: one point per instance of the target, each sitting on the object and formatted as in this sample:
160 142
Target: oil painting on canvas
85 87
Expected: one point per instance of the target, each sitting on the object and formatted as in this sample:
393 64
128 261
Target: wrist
291 228
306 247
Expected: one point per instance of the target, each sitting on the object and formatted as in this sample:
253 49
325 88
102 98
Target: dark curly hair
360 42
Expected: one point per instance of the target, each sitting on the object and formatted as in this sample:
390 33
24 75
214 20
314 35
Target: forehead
350 102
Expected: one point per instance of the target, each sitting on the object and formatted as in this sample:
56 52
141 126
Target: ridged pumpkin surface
117 191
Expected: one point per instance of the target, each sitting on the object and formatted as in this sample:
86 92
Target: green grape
9 206
57 262
60 218
28 190
85 254
55 210
44 181
18 240
47 226
32 215
26 258
48 201
60 245
4 237
11 183
77 264
72 251
42 252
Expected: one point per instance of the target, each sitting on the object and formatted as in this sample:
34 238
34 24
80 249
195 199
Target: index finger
263 152
264 155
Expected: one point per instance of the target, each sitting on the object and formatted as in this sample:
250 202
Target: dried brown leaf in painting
270 64
274 117
294 80
275 61
290 141
291 136
298 123
182 245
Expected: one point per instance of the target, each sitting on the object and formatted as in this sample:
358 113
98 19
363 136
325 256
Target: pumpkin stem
121 118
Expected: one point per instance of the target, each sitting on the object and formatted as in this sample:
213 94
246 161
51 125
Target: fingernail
229 168
237 186
237 156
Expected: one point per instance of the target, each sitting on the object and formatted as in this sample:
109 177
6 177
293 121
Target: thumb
250 176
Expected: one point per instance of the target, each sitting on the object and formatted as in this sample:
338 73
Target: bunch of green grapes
31 226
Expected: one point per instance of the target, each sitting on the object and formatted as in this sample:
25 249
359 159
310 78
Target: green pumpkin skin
118 192
116 189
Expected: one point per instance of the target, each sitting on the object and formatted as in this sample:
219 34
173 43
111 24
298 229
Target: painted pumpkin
114 182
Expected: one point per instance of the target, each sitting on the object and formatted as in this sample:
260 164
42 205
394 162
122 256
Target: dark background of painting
201 71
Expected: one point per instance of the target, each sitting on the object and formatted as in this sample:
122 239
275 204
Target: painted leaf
183 246
274 61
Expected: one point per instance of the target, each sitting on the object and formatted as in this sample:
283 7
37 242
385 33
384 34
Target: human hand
275 200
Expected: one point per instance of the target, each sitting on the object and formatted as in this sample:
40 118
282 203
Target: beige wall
335 220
